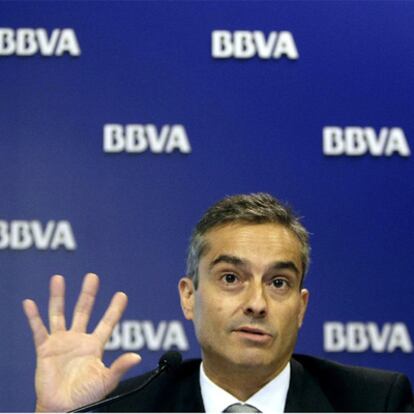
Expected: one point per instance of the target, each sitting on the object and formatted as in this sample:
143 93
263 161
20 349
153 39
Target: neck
240 381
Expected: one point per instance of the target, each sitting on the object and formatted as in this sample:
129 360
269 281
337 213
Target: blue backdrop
212 126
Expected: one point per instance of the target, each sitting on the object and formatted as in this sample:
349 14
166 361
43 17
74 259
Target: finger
84 305
37 326
111 317
122 364
57 304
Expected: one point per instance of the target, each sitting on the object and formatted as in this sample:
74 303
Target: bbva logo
358 141
28 42
243 44
21 235
137 138
133 335
361 337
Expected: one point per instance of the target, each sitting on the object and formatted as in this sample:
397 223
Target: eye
280 283
230 278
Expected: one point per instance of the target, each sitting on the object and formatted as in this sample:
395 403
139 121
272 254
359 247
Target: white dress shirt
269 399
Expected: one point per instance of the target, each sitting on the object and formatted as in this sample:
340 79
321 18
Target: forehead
253 242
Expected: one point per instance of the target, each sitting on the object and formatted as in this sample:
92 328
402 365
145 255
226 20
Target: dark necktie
241 408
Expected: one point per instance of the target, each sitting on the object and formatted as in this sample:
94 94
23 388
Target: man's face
248 306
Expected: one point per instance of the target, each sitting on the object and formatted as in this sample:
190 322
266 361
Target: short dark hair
256 208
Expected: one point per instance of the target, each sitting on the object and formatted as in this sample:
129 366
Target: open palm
70 372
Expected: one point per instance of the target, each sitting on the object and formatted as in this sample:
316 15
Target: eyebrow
289 265
237 261
225 258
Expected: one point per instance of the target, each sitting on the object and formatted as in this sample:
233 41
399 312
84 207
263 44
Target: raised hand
70 372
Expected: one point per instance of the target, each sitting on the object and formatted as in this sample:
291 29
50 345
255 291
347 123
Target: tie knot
241 408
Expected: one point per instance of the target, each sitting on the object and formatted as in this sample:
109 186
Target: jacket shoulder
177 390
350 388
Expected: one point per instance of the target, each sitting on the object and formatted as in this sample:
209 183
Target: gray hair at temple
256 208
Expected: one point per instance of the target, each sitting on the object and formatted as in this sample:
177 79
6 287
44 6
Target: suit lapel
305 394
188 395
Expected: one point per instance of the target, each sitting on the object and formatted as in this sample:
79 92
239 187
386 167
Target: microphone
169 360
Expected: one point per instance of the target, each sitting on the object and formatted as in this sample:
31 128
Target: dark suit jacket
316 385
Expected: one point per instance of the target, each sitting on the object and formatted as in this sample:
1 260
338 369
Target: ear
304 299
186 290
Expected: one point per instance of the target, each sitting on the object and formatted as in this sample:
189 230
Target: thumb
122 364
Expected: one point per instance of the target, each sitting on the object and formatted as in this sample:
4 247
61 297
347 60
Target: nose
256 302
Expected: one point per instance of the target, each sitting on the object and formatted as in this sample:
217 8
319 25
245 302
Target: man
244 292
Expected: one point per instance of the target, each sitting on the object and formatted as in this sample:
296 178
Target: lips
253 334
252 330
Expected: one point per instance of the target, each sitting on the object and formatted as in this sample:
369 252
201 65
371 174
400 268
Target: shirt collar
270 398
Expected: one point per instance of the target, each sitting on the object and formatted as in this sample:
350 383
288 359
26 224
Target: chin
253 359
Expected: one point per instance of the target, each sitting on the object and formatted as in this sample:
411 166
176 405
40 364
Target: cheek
289 317
213 309
209 314
209 309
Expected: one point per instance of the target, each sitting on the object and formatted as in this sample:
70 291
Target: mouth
253 334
